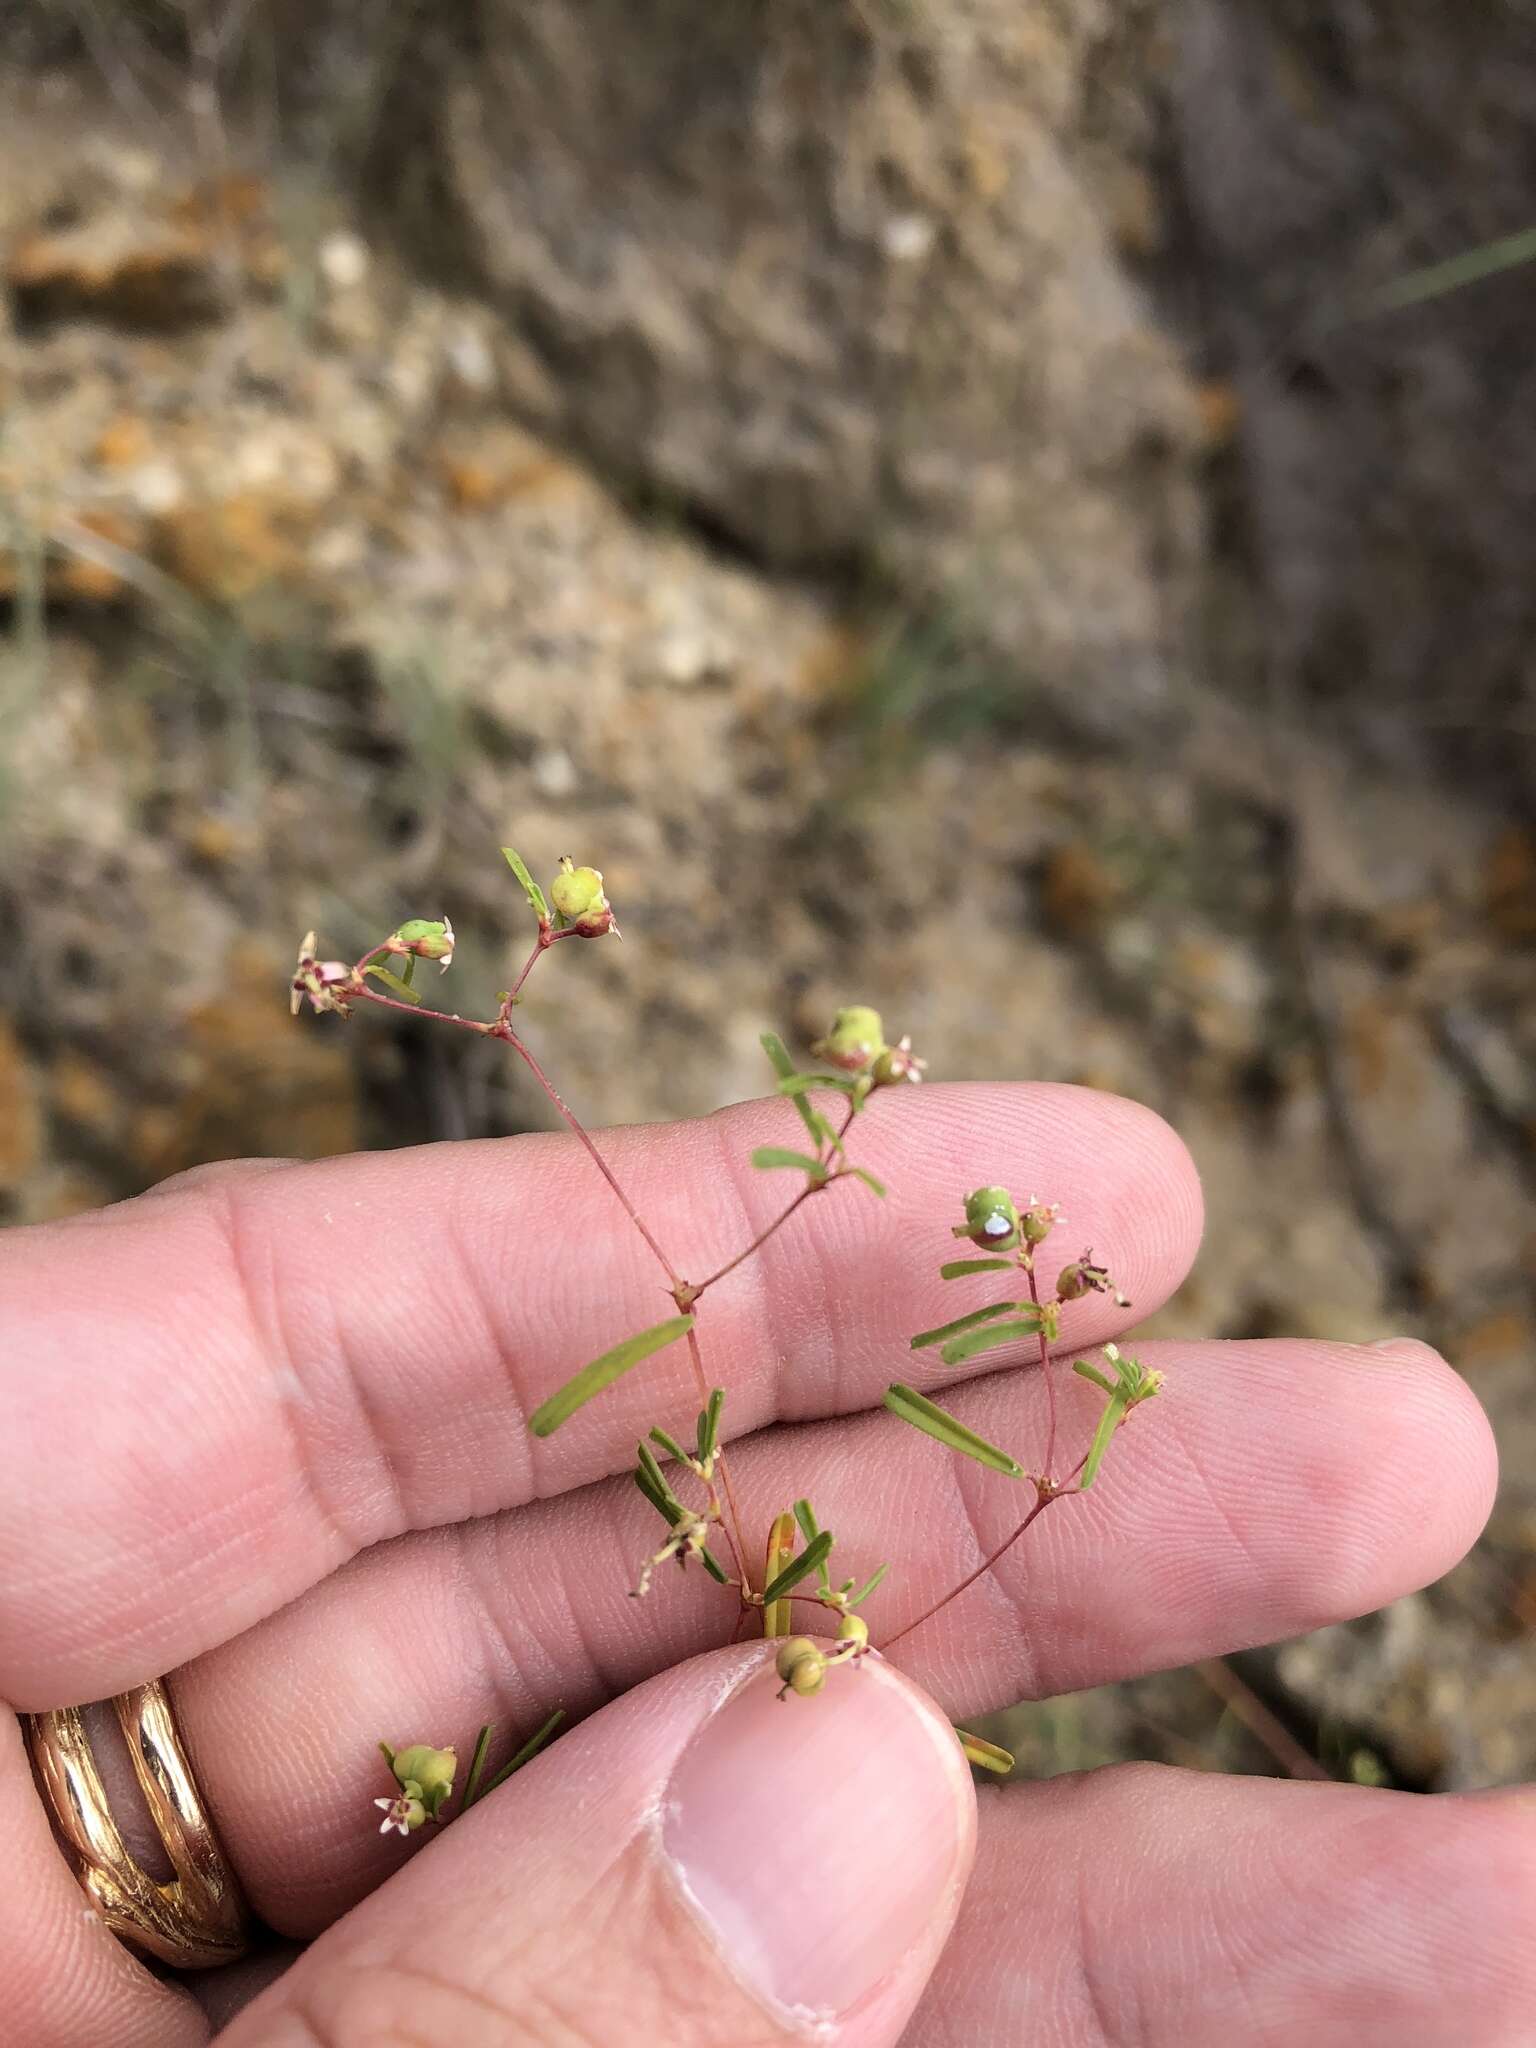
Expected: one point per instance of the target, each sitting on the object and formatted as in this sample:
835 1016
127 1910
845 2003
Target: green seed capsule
991 1219
856 1040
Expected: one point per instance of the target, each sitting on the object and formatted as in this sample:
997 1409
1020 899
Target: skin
264 1436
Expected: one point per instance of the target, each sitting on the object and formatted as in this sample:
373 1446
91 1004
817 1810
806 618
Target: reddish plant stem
684 1293
1045 1369
505 1031
763 1236
805 1194
1039 1508
1042 1502
373 995
548 937
732 1528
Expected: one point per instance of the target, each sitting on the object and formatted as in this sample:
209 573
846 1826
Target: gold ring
196 1919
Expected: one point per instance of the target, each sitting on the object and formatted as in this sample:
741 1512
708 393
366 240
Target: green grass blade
934 1421
1469 266
602 1372
526 1754
476 1767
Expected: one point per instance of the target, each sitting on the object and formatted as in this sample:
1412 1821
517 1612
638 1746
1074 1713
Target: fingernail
825 1840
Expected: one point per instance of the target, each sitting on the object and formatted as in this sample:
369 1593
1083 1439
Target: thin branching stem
1045 1371
805 1194
1048 1492
575 1124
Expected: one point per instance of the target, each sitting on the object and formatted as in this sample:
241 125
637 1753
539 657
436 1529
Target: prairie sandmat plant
684 1471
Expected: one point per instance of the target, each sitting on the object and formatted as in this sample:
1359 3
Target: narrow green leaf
709 1425
393 981
1109 1422
987 1756
778 1056
989 1314
602 1372
1468 266
957 1269
531 888
670 1445
869 1585
933 1421
766 1156
862 1173
799 1567
714 1567
655 1477
666 1503
408 971
810 1529
962 1348
802 1084
784 1067
529 1750
1091 1372
476 1767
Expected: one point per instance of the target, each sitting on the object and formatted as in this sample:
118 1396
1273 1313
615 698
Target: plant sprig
687 1482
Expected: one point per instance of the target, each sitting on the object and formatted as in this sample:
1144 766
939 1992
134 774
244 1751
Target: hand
263 1432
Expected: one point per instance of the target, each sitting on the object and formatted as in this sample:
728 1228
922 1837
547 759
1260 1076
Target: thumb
701 1863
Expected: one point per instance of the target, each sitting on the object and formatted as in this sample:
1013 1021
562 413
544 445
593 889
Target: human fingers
702 1862
218 1395
1236 1510
1143 1907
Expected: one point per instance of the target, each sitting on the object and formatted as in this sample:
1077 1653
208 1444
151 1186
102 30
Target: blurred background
1016 511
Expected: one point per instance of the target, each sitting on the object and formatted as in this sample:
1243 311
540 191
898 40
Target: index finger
218 1394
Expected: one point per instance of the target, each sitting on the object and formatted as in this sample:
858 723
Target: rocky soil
316 587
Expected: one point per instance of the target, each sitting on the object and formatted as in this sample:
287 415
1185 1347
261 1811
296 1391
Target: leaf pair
966 1337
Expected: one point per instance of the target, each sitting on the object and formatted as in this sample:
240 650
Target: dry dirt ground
299 624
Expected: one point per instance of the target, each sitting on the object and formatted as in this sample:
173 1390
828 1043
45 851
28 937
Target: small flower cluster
425 1777
577 894
1011 1235
323 984
856 1045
